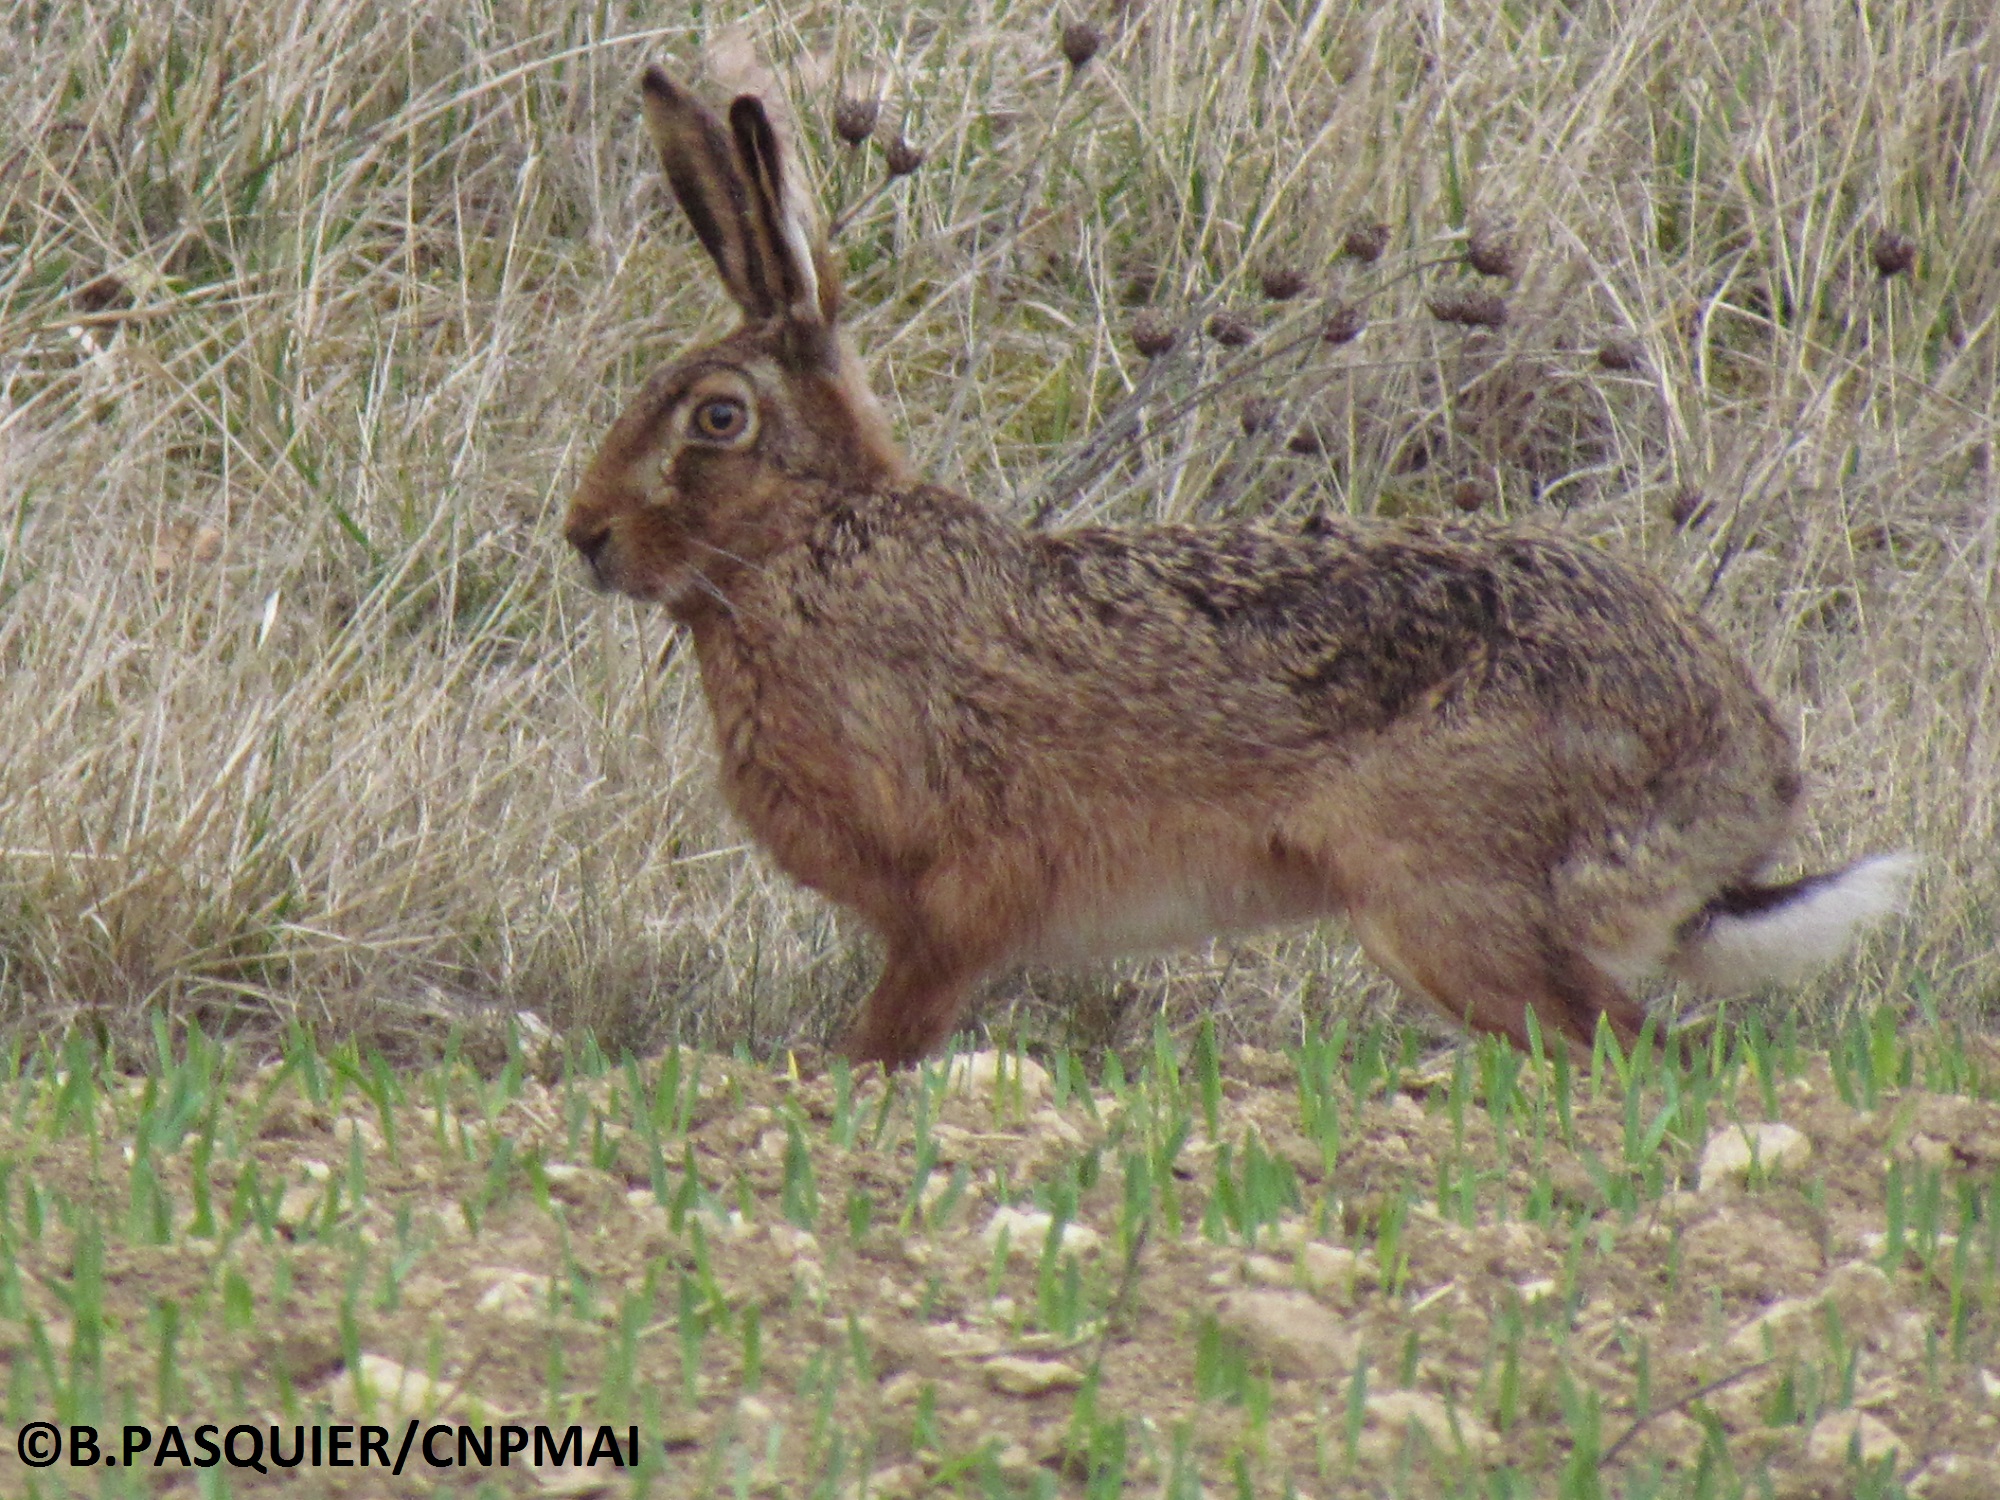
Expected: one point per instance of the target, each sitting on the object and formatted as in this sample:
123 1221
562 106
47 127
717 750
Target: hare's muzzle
591 540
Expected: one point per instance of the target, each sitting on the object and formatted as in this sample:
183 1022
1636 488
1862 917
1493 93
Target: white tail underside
1736 953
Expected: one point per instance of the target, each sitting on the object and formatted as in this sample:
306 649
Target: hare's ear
731 183
788 224
700 164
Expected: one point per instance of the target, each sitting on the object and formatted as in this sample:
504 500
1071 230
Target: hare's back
1361 625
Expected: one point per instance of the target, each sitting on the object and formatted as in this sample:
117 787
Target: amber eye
721 419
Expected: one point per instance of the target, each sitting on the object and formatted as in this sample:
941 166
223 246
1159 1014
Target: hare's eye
721 418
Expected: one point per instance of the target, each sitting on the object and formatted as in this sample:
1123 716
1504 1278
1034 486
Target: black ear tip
655 83
748 109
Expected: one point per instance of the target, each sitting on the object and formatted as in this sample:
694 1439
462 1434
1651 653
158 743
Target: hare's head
710 467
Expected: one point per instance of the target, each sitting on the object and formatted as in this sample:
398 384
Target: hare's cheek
659 561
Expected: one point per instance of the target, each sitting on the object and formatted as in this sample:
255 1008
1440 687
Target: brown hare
1527 776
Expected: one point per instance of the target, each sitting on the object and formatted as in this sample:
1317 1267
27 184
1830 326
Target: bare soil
1475 1298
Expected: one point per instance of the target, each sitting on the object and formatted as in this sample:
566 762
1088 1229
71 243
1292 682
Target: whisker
701 581
724 552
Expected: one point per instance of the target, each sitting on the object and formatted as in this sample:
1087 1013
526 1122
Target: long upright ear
732 184
786 215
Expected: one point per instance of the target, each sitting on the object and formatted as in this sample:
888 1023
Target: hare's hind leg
1487 957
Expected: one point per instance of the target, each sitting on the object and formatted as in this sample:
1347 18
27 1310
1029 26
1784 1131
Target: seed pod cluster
1081 41
1365 242
1894 254
1689 507
1282 283
102 294
1257 414
1469 309
1152 334
1620 354
1231 329
1490 252
1343 325
854 120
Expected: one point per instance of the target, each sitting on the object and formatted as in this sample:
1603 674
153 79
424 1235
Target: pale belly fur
1168 912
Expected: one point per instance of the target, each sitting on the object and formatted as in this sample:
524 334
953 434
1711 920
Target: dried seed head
1470 495
1490 252
1366 242
1152 334
1689 507
1470 309
1873 537
854 120
1256 414
1894 253
101 293
1282 283
1343 325
1231 329
1620 354
1081 41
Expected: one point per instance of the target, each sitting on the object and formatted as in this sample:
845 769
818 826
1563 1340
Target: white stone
1027 1231
1050 1119
1335 1271
1930 1151
1834 1434
579 1186
723 1224
794 1241
1777 1326
1290 1332
1774 1146
519 1296
1010 1076
389 1387
350 1127
297 1204
1266 1270
809 1277
1030 1377
1393 1413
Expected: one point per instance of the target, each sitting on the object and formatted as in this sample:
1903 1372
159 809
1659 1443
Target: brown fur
1514 762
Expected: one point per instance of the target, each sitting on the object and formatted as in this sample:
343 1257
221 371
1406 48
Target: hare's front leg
914 1005
963 917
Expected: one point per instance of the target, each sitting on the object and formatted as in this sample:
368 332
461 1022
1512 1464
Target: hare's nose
590 542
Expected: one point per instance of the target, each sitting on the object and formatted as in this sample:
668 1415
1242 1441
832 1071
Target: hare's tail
1751 935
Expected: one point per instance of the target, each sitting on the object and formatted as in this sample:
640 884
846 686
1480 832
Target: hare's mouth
681 591
596 550
611 569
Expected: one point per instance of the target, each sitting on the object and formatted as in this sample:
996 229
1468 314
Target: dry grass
308 316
